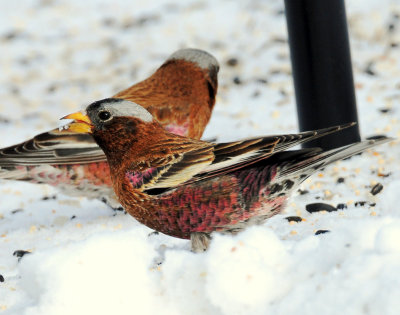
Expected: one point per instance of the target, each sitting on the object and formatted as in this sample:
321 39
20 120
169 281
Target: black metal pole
321 67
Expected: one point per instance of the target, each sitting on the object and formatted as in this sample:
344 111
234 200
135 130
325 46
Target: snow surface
57 56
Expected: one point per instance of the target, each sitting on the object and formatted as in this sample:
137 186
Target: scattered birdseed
153 233
374 137
20 253
319 206
341 206
376 189
360 203
294 219
261 80
232 62
275 114
49 197
16 211
368 69
118 227
237 80
1 278
328 194
4 120
321 232
256 93
391 27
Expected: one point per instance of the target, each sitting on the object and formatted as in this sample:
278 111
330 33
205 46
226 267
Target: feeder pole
321 67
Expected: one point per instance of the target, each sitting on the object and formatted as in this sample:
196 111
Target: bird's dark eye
104 115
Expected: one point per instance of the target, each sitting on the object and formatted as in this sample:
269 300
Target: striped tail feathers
274 143
313 159
288 141
234 155
52 147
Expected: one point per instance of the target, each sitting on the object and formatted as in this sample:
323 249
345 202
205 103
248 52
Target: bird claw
112 203
199 241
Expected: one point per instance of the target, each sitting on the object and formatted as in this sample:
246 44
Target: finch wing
53 147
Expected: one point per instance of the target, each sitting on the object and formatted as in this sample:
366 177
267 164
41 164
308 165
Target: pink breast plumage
181 129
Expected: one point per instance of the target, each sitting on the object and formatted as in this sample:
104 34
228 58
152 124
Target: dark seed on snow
263 81
368 70
108 21
340 180
73 217
384 110
341 206
49 197
375 137
294 219
20 253
1 278
303 192
11 35
4 120
232 62
360 203
237 80
319 206
376 189
16 211
321 232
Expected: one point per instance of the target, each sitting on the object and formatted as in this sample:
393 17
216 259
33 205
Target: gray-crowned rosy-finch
189 188
180 95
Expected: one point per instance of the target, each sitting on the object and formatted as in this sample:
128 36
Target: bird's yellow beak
82 123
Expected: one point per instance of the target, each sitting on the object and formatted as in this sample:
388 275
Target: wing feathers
320 160
235 155
191 163
53 147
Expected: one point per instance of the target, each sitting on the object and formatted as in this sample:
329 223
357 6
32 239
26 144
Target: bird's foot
199 241
112 203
